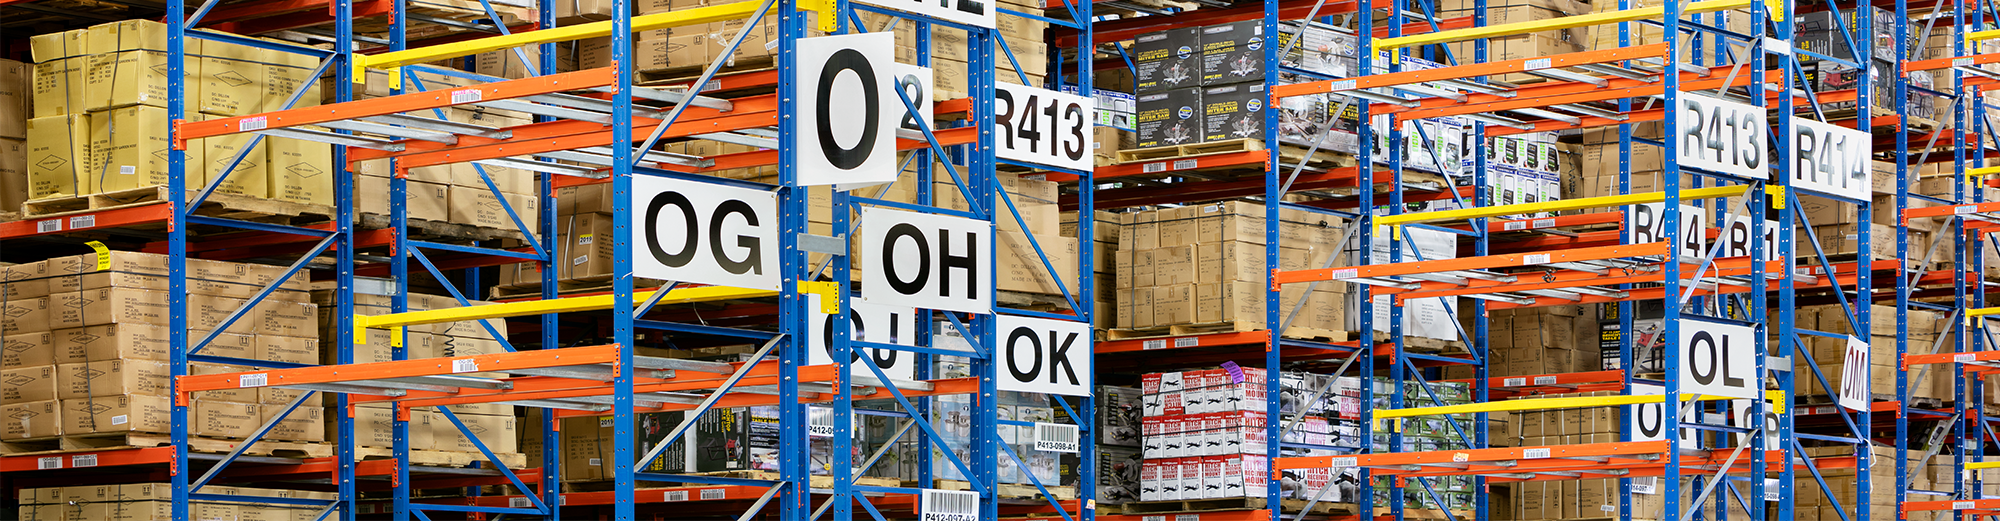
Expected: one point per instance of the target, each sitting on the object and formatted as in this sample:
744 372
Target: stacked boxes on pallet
152 501
87 346
14 96
1569 499
1206 84
1202 434
456 193
100 119
1205 264
1105 229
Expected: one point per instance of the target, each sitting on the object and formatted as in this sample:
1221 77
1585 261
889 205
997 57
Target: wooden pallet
1433 346
1053 303
672 75
443 458
219 205
1007 490
431 230
1237 326
1190 150
819 482
1324 158
104 441
1231 503
1438 515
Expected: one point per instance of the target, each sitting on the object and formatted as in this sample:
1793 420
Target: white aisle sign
847 110
916 83
969 12
1718 358
1649 225
1649 420
1040 355
704 233
1723 136
1831 159
1741 408
1736 237
927 261
870 323
1854 375
1043 127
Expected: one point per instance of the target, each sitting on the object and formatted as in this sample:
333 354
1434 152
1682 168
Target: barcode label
1338 463
1963 357
464 365
1961 62
1536 453
519 502
1545 380
466 96
1341 85
714 493
1187 517
252 123
48 226
819 422
128 170
1056 437
1187 342
1154 168
1545 223
1965 209
1514 225
1513 382
1961 505
1153 344
712 85
1344 273
83 460
1537 258
253 380
1646 485
1537 64
675 495
82 221
948 505
1185 164
51 462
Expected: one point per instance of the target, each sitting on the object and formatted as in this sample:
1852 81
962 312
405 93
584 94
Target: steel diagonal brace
462 302
694 90
1037 482
247 443
264 293
926 425
504 471
706 403
870 462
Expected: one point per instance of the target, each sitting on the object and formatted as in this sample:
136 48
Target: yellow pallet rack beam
1554 206
686 17
1777 398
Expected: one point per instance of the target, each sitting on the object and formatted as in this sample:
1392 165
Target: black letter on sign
1059 357
1651 419
1694 356
660 202
915 285
848 60
967 262
748 242
1727 378
971 6
1018 334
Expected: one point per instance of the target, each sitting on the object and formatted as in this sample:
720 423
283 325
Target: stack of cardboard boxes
14 96
1568 499
87 346
148 501
1104 266
1531 45
1205 264
456 193
100 121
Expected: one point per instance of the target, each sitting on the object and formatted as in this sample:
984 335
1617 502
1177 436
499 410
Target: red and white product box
1170 432
1213 389
1151 403
1251 429
1318 479
1223 436
1212 483
1191 478
1154 437
1173 394
1248 395
1150 483
1170 479
1232 474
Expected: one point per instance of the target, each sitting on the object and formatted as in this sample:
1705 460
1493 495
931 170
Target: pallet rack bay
600 127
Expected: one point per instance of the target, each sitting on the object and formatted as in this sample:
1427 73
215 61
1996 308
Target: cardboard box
430 201
111 378
1232 53
26 349
1174 265
498 433
30 419
277 348
129 148
59 87
301 171
251 177
302 424
130 35
16 88
131 341
55 46
585 246
28 384
122 413
1233 111
1019 268
220 419
24 315
1173 305
123 79
290 319
1229 261
1171 117
59 156
374 426
479 207
231 79
96 307
1167 60
13 171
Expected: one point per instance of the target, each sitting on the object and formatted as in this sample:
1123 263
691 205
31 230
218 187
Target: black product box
1170 118
722 440
1817 32
1232 53
1233 112
1830 77
1167 60
654 427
